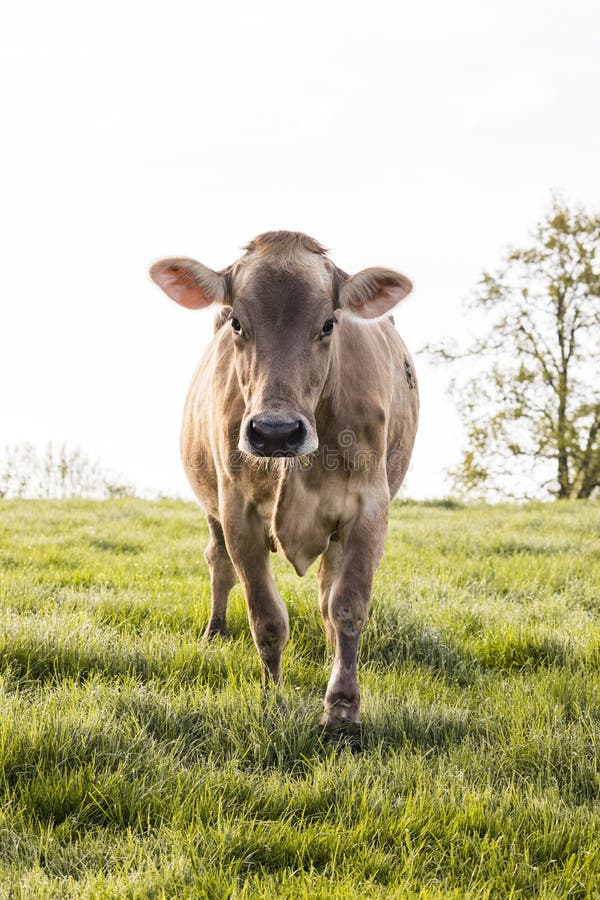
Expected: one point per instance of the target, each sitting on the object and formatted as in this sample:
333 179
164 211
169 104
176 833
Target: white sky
423 136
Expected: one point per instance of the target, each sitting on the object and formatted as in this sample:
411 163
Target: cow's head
283 300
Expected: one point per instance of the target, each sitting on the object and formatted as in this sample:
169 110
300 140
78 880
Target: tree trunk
564 485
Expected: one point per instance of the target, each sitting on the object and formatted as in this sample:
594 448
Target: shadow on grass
391 642
288 740
407 726
518 548
54 661
118 547
388 644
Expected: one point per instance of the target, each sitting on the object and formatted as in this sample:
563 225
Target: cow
298 430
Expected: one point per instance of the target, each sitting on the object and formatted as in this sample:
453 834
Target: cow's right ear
189 283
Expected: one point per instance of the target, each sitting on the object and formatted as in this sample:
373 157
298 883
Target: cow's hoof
214 630
341 712
335 724
341 731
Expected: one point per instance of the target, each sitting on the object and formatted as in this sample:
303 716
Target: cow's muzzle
274 436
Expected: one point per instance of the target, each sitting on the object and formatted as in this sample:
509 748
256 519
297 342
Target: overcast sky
422 136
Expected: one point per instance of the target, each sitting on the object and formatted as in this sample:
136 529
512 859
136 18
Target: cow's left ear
373 292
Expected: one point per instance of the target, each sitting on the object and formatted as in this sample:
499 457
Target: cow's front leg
248 545
222 579
349 599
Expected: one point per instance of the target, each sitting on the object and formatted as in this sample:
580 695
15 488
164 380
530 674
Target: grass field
137 761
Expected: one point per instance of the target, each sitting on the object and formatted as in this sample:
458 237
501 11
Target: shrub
56 472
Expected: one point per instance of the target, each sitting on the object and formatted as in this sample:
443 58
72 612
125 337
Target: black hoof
213 631
341 732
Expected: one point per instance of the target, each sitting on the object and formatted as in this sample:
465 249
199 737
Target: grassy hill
137 761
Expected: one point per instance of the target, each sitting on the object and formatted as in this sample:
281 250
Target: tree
531 399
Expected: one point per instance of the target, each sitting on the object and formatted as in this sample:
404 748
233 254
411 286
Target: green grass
137 761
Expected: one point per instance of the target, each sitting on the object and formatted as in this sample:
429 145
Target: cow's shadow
405 726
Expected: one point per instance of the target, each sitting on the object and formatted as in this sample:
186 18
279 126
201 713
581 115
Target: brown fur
361 409
286 243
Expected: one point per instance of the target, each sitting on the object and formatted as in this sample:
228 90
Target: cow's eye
235 324
327 328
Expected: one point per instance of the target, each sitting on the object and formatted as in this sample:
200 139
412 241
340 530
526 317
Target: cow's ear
189 283
373 292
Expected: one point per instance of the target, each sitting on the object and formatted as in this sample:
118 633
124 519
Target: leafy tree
531 399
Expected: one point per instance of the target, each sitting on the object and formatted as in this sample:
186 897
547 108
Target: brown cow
298 429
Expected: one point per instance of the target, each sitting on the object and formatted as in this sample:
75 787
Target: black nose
276 437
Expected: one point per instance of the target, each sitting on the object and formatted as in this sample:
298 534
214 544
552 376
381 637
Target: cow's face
284 302
283 324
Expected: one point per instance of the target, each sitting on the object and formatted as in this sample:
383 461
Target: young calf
298 430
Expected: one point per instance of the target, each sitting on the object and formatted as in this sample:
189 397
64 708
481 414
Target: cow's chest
303 508
307 512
